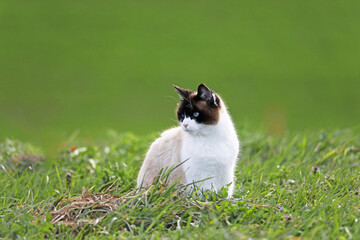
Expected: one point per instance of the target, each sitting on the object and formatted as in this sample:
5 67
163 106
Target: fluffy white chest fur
211 155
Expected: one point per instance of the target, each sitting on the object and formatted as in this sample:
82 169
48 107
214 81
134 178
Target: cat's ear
183 93
207 95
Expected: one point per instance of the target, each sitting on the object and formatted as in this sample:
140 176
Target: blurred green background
89 66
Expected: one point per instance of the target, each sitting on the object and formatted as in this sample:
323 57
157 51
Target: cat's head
199 110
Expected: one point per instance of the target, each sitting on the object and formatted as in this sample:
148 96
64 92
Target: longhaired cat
205 143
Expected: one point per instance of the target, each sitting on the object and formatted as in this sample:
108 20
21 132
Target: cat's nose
185 125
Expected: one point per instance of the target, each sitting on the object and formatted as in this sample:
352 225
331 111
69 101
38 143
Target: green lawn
92 66
71 70
299 185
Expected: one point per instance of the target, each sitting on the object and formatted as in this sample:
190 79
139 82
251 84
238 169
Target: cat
205 144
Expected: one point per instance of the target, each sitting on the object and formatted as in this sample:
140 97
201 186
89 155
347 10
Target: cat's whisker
172 98
173 119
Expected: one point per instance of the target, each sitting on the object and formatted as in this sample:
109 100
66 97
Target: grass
297 186
71 69
92 66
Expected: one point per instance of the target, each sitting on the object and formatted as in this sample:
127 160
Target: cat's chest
208 150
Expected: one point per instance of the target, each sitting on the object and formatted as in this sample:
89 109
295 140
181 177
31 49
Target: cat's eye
196 114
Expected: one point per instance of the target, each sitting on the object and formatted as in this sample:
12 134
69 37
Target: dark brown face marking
203 106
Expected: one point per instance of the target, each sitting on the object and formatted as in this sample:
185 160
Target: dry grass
26 158
87 208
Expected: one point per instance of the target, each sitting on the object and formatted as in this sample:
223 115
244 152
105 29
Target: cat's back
163 153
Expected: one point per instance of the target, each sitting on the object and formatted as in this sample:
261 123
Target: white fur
214 97
211 151
192 126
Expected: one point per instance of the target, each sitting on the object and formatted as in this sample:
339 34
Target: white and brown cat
206 142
